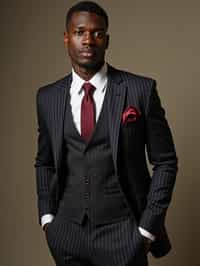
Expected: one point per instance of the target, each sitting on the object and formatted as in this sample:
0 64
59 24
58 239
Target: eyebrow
83 27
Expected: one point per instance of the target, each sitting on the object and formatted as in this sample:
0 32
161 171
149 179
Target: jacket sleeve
44 162
162 155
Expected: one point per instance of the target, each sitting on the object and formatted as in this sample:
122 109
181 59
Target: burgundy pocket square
130 114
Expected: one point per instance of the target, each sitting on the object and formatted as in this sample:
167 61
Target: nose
88 38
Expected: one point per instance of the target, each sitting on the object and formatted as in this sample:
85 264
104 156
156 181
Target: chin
91 64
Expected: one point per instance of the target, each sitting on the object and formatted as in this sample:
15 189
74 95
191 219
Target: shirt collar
99 80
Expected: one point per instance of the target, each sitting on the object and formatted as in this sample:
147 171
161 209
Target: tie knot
88 88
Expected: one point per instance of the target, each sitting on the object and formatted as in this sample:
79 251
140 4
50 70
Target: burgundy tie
87 111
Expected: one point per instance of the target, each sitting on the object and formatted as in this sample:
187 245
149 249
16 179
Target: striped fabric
115 244
149 196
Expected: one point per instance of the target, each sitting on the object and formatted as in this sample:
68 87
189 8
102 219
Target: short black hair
87 6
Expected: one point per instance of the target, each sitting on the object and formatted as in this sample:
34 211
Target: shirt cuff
146 234
47 218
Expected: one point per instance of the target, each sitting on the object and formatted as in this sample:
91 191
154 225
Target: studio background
154 38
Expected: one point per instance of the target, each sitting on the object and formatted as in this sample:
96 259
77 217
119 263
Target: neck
87 73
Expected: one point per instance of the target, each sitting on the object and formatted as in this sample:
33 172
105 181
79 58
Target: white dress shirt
99 81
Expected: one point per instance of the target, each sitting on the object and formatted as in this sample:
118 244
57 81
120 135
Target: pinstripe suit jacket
149 195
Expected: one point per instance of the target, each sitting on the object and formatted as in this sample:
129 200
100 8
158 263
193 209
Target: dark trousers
114 244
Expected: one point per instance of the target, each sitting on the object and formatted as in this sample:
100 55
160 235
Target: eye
79 32
99 34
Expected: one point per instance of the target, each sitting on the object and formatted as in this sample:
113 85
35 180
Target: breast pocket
132 136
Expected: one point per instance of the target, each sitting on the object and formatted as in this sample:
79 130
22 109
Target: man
97 203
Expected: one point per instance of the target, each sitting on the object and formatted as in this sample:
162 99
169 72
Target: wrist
45 226
147 240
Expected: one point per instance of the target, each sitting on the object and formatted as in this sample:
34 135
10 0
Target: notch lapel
116 100
59 100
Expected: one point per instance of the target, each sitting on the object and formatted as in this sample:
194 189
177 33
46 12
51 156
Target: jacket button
86 195
86 180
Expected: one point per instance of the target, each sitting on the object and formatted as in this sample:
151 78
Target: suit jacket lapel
116 100
60 99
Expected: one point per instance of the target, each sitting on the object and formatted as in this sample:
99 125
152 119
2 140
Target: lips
87 53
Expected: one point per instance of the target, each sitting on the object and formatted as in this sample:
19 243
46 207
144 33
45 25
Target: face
86 40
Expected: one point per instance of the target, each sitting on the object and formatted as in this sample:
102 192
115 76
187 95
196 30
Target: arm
162 155
44 164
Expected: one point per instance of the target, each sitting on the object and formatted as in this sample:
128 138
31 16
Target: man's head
87 6
86 37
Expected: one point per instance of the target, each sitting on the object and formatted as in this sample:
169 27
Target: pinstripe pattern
151 197
90 187
116 244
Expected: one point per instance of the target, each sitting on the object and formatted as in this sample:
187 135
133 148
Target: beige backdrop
154 38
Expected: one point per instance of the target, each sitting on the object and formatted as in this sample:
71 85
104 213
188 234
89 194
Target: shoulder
132 78
53 87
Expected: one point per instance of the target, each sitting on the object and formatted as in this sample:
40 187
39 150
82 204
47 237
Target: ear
66 38
107 40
